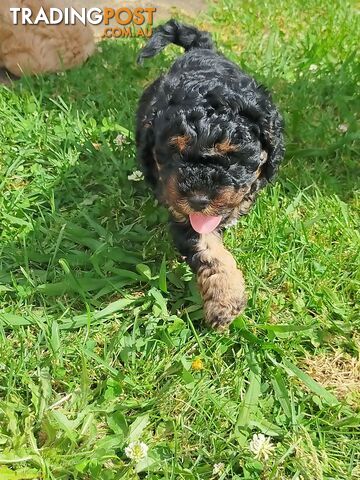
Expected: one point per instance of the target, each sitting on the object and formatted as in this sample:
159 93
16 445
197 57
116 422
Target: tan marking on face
171 192
221 284
177 205
225 147
173 199
179 217
229 197
180 142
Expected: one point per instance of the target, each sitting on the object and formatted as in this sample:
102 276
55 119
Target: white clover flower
136 176
136 451
218 469
355 473
313 67
343 127
119 140
261 446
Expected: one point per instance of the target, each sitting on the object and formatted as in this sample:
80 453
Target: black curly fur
206 100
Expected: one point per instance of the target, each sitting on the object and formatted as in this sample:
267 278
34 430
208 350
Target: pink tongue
204 223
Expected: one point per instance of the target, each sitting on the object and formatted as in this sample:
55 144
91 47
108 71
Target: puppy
208 139
41 48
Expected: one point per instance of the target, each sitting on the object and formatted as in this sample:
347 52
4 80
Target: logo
131 22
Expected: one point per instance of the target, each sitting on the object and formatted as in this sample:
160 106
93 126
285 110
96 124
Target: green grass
99 319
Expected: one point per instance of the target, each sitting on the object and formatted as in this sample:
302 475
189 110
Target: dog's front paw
221 283
224 296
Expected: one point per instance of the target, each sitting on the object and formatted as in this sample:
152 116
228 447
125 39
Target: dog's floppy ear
145 142
145 138
272 139
268 126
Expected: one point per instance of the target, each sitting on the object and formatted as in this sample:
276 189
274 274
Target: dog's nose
199 202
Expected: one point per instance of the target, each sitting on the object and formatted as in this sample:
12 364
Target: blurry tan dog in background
41 48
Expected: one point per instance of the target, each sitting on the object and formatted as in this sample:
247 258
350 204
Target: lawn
101 337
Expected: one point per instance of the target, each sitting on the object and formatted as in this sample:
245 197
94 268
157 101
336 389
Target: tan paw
224 297
221 283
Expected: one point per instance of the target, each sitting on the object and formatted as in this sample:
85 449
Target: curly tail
173 31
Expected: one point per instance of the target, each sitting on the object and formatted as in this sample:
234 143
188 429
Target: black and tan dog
208 139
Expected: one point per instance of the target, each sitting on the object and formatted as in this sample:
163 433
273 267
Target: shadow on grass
93 225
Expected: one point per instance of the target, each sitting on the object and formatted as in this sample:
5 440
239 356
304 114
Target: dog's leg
220 282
